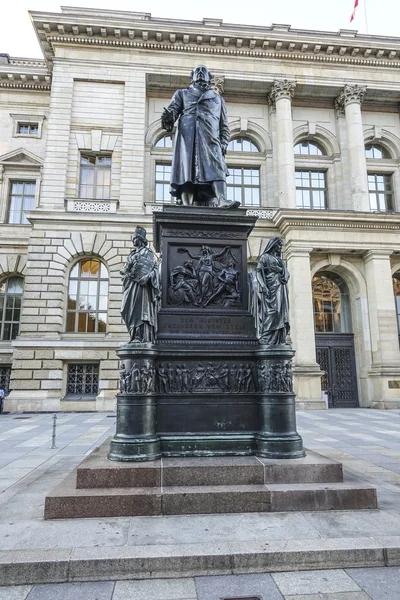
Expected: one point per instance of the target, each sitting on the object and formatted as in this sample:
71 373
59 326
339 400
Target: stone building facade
315 151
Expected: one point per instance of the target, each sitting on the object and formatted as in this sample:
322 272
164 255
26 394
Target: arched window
331 304
307 148
376 151
164 142
87 297
242 144
11 291
396 291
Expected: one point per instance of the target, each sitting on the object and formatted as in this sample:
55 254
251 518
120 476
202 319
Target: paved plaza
366 441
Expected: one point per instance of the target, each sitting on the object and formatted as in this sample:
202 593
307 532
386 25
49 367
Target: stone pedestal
206 386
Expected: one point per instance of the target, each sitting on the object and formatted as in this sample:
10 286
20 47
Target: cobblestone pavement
367 442
336 584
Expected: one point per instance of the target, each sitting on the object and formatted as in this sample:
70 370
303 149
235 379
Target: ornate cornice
281 89
349 95
24 74
211 36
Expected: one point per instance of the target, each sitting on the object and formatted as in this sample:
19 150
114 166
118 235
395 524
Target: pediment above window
21 158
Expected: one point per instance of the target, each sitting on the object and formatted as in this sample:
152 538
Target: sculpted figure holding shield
141 290
198 175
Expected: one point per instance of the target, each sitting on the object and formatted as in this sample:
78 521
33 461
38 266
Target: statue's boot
219 188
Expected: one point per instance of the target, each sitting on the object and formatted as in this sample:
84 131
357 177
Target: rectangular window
380 192
163 178
5 376
243 185
22 198
83 379
311 190
95 179
28 129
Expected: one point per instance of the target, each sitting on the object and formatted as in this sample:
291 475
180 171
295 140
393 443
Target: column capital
281 88
377 253
351 94
292 250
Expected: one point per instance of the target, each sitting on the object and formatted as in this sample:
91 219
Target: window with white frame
87 297
163 178
380 190
95 176
308 148
164 142
11 291
243 185
27 125
311 189
380 178
22 199
242 144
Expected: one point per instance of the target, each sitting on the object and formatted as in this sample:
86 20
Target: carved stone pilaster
281 89
349 95
1 173
217 84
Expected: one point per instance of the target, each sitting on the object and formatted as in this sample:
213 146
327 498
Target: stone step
66 501
98 472
59 565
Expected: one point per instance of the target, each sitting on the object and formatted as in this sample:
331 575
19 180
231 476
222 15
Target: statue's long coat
202 130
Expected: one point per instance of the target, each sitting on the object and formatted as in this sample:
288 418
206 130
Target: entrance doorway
334 340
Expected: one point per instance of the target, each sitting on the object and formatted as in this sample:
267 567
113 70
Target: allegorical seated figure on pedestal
198 175
272 279
141 290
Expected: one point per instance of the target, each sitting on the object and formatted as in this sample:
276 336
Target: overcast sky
17 36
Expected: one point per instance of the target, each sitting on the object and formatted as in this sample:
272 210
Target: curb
20 567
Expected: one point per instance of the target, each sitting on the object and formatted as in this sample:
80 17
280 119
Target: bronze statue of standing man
199 171
141 290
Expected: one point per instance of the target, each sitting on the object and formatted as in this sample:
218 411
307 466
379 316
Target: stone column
307 371
281 95
350 100
385 366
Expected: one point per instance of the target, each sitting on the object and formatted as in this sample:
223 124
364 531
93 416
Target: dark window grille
163 178
22 198
83 379
95 180
87 297
11 291
380 192
243 185
311 189
5 376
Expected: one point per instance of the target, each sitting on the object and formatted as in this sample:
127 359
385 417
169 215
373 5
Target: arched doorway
334 339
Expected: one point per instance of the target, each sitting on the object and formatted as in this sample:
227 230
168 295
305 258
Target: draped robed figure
141 290
272 279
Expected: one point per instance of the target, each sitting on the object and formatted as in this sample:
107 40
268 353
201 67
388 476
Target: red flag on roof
353 14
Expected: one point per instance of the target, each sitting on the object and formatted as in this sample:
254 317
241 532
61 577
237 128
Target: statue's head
274 246
201 74
139 237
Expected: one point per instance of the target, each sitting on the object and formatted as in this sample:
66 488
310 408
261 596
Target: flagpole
365 16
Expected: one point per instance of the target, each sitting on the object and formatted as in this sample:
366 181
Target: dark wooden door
336 357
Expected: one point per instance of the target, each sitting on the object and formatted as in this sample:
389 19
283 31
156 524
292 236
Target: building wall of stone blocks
107 95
